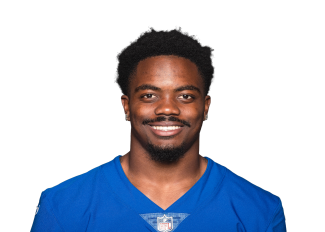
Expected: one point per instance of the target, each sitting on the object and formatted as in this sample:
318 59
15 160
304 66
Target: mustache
162 118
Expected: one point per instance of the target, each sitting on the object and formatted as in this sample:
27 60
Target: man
162 183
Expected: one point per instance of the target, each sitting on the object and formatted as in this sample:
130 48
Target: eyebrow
179 89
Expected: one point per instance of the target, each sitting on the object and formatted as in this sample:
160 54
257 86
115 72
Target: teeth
165 128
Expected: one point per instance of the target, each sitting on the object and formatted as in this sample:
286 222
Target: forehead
166 71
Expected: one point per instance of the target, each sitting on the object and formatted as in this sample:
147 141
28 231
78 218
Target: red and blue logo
164 223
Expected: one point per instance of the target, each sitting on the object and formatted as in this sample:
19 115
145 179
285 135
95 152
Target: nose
167 106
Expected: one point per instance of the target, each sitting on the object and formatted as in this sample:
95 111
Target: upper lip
165 124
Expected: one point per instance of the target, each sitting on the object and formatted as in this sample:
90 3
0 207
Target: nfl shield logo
165 223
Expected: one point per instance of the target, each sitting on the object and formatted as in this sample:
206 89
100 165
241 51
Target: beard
166 154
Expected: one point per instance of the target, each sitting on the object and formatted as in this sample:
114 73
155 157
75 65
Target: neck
139 167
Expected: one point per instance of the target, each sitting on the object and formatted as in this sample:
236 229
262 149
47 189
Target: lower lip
166 133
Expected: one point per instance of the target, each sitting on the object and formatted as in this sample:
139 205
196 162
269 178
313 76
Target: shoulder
72 201
244 189
253 205
75 187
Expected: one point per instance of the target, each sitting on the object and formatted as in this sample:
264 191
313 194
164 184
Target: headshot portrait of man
162 183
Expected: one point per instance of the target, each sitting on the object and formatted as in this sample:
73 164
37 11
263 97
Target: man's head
165 78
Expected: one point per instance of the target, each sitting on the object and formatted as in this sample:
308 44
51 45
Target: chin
166 154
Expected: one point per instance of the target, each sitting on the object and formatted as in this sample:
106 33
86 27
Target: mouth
166 130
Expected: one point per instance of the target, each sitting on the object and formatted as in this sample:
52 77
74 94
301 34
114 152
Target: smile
166 130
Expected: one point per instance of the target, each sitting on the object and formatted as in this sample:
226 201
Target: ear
207 103
125 104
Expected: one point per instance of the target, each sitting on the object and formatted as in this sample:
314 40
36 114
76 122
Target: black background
75 120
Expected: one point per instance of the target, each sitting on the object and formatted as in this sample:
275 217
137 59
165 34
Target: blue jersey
103 199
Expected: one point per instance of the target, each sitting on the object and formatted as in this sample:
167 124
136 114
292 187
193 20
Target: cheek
193 113
139 113
194 116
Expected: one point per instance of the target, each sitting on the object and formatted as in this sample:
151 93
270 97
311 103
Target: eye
185 96
149 95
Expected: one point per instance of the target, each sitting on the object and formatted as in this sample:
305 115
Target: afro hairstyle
156 43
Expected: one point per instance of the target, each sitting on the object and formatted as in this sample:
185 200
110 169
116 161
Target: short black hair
157 43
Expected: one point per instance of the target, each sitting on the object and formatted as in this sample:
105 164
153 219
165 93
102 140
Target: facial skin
165 88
